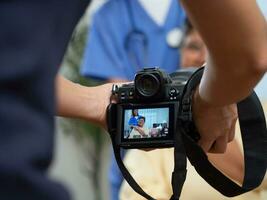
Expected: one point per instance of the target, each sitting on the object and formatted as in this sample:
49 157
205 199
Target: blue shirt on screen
133 120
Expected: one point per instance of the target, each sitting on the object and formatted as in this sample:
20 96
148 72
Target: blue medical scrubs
134 120
105 54
110 53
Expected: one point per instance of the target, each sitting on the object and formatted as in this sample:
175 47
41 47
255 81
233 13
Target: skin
233 65
139 128
141 122
231 163
193 51
135 112
87 103
237 47
88 100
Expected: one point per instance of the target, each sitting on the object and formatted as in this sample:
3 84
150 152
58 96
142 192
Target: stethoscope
139 54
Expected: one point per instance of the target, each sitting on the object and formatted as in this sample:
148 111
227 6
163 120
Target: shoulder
111 16
132 119
110 8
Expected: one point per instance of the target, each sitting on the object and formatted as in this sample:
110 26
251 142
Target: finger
219 145
205 144
231 134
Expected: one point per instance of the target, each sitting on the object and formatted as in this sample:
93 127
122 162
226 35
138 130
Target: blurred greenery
70 69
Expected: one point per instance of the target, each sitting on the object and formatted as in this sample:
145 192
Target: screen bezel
147 142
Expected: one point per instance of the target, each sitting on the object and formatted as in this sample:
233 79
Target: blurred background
83 151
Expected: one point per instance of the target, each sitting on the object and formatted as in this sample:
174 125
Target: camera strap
178 175
111 112
179 172
254 137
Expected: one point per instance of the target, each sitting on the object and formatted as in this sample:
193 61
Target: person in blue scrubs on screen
133 121
124 38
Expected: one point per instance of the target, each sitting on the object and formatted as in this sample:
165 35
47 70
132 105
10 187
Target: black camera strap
179 172
178 175
254 137
111 112
128 177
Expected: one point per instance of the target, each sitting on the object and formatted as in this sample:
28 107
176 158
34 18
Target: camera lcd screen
146 123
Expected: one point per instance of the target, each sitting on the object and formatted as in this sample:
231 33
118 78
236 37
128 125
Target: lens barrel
147 85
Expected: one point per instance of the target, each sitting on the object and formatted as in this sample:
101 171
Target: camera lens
147 85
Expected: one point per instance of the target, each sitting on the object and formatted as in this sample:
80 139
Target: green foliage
71 70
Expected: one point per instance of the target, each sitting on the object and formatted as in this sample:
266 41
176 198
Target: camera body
146 112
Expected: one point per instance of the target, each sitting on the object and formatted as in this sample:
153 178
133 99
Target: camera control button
173 92
115 89
123 95
131 93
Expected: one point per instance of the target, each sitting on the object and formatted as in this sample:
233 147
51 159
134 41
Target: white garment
157 9
135 134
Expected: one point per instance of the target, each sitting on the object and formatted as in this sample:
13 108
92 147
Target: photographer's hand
216 124
77 101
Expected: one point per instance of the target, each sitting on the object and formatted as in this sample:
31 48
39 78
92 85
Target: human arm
237 46
231 163
140 130
77 101
153 173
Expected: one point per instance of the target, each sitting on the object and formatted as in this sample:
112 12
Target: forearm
231 162
141 131
235 33
77 101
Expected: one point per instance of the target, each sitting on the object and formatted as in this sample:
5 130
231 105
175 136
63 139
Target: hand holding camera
146 111
157 98
160 110
216 124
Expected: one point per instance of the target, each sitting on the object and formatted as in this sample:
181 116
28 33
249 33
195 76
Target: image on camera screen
146 123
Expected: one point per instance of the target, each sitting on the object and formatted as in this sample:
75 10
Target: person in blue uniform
133 121
123 39
33 39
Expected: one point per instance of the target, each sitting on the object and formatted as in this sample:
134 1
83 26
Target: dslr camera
155 112
146 112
